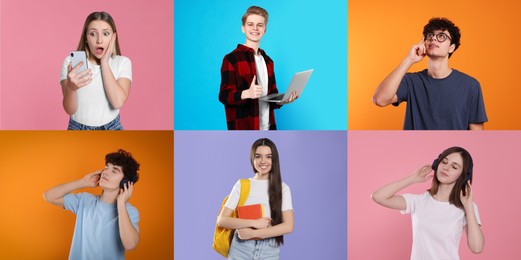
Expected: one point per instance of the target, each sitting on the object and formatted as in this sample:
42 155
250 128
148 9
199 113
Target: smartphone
77 57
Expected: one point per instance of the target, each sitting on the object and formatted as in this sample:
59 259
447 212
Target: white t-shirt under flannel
262 79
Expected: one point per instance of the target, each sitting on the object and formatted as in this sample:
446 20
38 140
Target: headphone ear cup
122 183
435 164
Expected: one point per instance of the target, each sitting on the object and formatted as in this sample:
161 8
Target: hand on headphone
126 192
467 199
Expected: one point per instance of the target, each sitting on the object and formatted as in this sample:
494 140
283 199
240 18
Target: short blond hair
255 10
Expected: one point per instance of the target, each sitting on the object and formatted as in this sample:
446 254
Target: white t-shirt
94 108
436 227
259 195
262 79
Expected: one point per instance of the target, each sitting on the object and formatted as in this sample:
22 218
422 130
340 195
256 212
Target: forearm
127 231
475 237
117 94
275 231
386 91
234 223
386 195
55 195
70 101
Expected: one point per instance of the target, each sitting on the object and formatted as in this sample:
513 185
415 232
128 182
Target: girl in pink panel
93 97
443 212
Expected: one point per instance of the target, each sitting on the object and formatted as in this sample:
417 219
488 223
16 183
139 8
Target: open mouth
99 50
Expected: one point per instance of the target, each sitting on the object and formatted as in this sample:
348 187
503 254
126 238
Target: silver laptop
299 81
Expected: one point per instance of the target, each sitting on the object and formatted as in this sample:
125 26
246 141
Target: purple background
313 164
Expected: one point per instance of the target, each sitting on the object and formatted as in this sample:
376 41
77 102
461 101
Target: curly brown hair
441 23
127 162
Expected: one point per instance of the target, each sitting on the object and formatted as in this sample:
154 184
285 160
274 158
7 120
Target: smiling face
262 161
254 28
111 176
99 34
450 168
435 48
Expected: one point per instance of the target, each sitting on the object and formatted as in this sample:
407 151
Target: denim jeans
265 249
112 125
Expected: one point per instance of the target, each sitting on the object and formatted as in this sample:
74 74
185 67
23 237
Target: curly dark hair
441 23
126 161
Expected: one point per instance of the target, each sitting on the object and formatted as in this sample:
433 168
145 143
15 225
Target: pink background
376 158
36 37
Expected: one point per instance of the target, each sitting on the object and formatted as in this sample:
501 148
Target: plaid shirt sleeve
230 93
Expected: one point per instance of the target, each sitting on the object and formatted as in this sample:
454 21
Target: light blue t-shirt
96 234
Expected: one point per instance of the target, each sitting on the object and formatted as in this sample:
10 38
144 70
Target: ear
242 29
452 48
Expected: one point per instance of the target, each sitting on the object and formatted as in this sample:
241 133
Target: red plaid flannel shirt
237 72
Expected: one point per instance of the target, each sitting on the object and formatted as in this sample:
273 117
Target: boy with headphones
106 225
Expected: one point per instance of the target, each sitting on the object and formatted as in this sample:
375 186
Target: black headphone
126 180
468 174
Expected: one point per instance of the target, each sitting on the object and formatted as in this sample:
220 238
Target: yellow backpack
222 237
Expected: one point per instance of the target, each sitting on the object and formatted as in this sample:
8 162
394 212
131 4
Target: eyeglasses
440 37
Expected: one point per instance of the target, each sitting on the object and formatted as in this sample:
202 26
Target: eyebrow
96 29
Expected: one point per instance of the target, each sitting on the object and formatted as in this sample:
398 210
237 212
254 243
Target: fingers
76 68
81 79
422 41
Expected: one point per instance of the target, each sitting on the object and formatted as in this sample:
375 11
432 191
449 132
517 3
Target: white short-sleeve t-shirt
436 227
259 195
94 108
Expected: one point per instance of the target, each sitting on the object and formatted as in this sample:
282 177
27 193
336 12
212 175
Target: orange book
254 211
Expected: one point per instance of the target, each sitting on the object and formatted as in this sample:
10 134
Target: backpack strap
245 191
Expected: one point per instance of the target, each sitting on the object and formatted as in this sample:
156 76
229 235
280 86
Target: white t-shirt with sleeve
436 227
259 195
94 108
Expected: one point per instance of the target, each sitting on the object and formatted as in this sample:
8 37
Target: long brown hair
275 182
454 197
103 16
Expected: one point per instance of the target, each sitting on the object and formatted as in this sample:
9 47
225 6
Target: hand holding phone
76 58
79 75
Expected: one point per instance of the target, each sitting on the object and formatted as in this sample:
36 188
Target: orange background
381 32
32 162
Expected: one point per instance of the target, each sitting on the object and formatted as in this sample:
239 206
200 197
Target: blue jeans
112 125
265 249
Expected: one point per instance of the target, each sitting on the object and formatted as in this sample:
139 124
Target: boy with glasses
439 97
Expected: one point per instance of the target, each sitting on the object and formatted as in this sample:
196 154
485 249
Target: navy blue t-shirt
451 103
